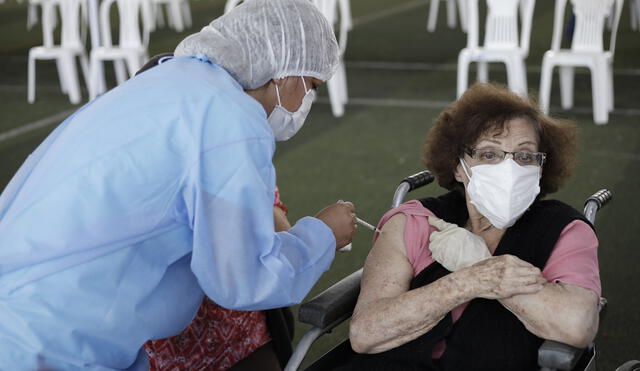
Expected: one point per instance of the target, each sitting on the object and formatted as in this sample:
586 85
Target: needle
367 225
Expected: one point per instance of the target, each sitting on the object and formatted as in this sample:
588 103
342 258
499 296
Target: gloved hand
454 247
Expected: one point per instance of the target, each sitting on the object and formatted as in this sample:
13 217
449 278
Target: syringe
367 225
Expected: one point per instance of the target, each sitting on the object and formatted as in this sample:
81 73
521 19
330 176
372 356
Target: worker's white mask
502 192
286 124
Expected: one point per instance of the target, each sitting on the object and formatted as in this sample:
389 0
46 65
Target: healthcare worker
160 192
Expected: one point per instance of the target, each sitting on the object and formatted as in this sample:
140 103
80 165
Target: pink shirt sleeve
574 259
416 239
416 233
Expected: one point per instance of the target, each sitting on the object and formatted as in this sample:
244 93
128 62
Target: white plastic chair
64 54
432 20
501 42
132 44
586 51
178 13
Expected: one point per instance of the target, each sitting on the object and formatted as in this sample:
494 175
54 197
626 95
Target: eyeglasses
495 156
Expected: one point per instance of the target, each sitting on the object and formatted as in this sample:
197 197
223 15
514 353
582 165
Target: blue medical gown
145 198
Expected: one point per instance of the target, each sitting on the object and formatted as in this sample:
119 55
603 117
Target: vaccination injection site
282 185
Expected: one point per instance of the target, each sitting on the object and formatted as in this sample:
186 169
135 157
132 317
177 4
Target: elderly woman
476 278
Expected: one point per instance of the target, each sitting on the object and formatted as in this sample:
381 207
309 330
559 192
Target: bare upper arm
387 271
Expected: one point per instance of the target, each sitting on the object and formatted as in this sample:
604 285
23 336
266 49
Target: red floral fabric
278 202
216 339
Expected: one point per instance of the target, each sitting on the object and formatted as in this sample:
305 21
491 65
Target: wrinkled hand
454 247
504 276
341 218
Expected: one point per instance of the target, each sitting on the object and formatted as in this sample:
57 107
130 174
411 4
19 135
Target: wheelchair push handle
601 198
595 203
418 180
410 183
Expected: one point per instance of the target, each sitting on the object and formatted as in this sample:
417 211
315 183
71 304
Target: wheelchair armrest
558 356
334 305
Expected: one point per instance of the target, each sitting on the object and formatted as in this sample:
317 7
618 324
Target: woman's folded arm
388 314
559 312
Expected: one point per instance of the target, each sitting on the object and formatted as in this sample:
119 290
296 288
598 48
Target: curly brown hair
486 108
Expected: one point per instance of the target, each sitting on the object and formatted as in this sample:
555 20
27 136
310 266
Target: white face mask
286 124
503 192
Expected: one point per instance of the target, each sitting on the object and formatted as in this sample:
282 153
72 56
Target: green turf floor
362 156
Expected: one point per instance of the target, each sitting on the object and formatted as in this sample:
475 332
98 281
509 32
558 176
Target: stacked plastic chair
432 20
65 54
501 42
132 44
587 50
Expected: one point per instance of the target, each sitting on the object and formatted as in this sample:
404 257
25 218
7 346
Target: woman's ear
459 174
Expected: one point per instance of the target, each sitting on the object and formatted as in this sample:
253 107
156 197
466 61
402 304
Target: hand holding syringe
364 224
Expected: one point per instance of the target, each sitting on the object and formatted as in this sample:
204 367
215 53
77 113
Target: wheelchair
335 305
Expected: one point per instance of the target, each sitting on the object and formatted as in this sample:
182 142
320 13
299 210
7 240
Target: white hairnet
260 40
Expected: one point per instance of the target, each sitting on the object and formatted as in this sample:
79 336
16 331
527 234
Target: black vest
487 336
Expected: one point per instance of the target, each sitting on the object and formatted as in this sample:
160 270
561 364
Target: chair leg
61 79
633 17
610 93
133 64
32 16
566 86
524 85
635 14
517 76
463 73
512 76
462 8
333 86
451 13
121 73
31 78
71 78
344 91
599 93
97 84
545 85
483 71
84 65
345 10
176 15
433 15
186 13
159 16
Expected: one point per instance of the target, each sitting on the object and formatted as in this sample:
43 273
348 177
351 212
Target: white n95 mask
503 192
286 124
